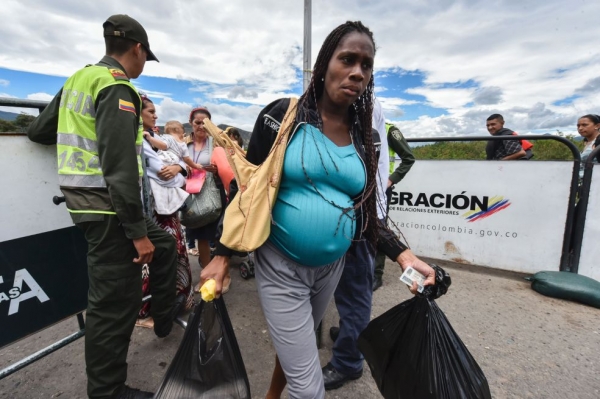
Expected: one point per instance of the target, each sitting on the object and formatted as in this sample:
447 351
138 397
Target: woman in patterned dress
169 223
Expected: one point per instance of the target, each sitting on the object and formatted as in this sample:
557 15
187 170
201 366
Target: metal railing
19 103
26 361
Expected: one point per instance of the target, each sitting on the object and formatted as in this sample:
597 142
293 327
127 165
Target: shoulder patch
127 106
397 134
118 74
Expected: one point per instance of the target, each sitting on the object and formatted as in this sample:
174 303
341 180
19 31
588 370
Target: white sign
501 214
29 180
589 260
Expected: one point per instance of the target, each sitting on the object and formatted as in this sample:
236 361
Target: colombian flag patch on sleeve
118 74
127 106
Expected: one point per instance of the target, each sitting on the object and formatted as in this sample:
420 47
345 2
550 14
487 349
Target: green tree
22 121
7 126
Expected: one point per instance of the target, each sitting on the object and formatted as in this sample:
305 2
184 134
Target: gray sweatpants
294 299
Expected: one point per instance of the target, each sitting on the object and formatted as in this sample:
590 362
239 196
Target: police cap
124 26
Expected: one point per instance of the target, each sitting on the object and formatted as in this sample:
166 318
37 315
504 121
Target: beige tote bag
247 220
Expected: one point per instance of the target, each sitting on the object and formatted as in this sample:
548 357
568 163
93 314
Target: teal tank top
307 227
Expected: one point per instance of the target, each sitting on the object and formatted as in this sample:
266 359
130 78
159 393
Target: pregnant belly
312 236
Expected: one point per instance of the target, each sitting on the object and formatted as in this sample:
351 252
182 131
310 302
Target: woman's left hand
406 259
169 172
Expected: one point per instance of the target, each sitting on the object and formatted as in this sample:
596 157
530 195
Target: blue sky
22 84
441 66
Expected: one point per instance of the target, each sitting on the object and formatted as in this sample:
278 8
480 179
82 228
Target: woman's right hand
406 259
216 269
169 172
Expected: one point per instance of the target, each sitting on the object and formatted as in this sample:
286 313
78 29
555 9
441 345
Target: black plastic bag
414 353
208 363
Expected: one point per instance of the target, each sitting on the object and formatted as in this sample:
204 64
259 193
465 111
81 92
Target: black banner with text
43 279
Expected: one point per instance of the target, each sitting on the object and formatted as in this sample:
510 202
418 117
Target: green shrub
544 150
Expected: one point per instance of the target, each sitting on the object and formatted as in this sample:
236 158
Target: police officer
95 120
397 144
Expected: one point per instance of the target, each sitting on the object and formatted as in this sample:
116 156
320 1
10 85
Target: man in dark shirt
502 149
95 120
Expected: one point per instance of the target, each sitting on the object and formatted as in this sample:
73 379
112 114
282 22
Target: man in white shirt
354 295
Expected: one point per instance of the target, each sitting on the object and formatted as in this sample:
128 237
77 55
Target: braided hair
360 111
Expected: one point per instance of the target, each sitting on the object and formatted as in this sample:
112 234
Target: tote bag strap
277 152
211 146
237 157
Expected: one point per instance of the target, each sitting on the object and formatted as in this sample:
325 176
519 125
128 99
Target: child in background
234 134
172 147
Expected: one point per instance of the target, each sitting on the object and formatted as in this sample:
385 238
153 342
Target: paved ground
529 346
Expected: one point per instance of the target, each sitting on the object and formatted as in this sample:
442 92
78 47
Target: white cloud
4 82
232 115
153 94
194 41
168 109
393 102
242 92
445 97
40 96
392 106
487 95
522 55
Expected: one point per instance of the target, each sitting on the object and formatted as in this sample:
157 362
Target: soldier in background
397 145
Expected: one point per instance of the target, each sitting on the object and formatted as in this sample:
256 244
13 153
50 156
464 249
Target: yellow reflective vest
77 146
391 152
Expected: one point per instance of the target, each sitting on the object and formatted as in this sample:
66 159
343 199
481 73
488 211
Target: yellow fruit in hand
208 290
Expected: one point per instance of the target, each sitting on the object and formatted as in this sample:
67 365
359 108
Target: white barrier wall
589 259
501 214
29 180
43 270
